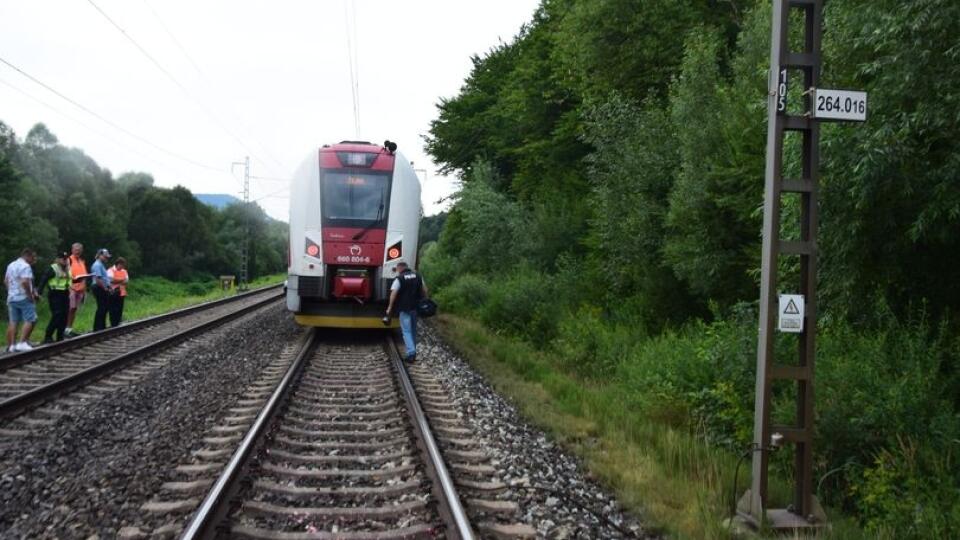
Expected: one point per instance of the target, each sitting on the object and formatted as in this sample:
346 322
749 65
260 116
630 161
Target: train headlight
394 252
312 248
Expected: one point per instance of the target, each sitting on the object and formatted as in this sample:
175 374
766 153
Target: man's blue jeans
408 327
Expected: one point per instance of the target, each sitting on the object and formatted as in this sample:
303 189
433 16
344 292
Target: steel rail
45 351
16 405
458 524
216 504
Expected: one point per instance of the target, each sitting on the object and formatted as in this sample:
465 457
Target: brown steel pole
805 511
768 265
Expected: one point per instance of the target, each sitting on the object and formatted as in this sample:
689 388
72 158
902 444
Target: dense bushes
518 304
888 435
612 160
887 427
910 491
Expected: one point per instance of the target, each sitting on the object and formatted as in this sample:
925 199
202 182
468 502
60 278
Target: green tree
52 196
21 225
712 239
632 172
173 230
430 227
891 206
633 47
487 230
467 126
267 240
658 205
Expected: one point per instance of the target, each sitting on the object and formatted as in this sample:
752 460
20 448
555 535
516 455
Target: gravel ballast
88 474
557 497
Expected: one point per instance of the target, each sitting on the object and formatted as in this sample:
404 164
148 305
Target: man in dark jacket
405 292
100 284
57 280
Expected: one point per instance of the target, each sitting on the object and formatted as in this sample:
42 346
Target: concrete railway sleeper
331 443
28 381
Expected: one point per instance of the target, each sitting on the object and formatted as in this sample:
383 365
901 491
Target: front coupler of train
355 214
346 294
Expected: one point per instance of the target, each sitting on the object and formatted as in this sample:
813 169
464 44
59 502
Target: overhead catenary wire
213 117
353 62
200 73
272 194
349 26
92 130
356 61
173 38
107 121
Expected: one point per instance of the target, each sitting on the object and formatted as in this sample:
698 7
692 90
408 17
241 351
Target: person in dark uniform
101 288
407 289
57 280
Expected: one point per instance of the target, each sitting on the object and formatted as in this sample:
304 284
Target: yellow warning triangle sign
791 308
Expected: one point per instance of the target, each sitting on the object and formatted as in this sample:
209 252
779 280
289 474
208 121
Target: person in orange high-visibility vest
78 285
119 277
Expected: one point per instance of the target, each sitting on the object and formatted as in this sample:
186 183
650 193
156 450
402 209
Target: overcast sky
232 78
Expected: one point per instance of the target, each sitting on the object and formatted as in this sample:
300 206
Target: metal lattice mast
804 511
245 249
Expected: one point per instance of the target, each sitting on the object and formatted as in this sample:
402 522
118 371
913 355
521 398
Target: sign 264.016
839 105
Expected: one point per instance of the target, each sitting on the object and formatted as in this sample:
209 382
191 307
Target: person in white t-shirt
21 300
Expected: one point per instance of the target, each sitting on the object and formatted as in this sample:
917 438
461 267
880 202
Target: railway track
342 447
30 379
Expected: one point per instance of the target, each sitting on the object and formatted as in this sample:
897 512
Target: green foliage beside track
612 162
430 227
52 196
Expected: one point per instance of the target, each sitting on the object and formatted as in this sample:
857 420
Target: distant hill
216 200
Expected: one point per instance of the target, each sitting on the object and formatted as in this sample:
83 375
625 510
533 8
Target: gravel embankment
553 489
88 474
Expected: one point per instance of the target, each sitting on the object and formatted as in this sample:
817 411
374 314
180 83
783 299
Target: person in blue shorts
21 300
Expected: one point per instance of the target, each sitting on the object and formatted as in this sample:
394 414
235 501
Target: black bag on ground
426 307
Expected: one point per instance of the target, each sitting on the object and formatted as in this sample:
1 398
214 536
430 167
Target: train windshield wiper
376 222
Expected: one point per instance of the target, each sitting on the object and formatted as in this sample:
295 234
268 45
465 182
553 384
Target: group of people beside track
66 281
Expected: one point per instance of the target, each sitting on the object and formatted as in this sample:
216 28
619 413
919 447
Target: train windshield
355 197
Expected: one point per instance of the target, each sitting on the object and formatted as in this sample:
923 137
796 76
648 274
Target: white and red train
354 214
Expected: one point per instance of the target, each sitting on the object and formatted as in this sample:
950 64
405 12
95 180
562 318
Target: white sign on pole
791 313
839 105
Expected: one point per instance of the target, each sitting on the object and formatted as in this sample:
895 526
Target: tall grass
888 428
661 471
